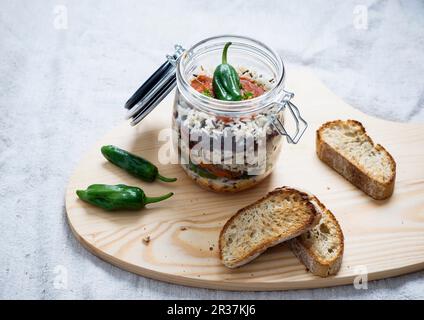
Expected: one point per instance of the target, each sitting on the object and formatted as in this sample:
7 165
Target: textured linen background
61 90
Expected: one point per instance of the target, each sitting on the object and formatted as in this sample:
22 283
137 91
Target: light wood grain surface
385 237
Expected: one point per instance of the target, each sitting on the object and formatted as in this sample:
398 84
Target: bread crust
313 262
351 171
313 220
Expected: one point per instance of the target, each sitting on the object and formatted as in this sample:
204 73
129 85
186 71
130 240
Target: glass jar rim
231 107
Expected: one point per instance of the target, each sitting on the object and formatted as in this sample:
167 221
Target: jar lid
155 89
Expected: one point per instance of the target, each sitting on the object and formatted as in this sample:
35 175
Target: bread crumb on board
146 240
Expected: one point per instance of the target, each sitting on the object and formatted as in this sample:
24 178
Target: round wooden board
386 238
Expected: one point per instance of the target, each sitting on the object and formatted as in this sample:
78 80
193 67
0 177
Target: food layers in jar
223 152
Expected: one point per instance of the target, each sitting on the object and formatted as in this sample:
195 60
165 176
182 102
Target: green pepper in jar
120 196
201 172
133 164
226 82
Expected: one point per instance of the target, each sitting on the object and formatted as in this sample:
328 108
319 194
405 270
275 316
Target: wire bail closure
173 59
301 124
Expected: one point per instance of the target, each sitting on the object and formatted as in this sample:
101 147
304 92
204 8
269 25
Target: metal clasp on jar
301 124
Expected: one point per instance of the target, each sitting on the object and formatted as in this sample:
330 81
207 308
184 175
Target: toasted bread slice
346 147
321 248
282 214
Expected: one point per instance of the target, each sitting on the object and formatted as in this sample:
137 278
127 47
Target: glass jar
229 146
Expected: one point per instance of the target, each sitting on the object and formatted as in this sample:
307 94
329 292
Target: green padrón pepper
133 164
115 197
226 82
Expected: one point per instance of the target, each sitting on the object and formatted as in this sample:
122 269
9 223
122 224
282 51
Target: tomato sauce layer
250 89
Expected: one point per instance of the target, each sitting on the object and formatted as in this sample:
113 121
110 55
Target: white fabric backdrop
61 89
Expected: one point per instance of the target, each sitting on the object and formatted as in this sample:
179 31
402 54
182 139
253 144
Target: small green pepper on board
133 164
120 196
226 82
